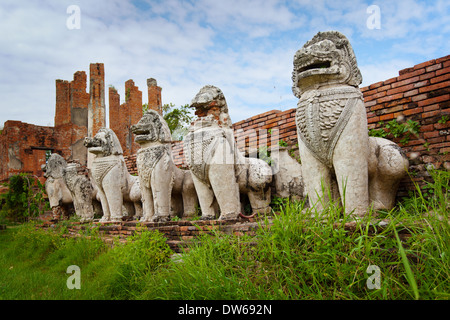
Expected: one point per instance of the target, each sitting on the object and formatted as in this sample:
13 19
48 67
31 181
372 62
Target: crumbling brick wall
420 93
123 116
71 125
23 147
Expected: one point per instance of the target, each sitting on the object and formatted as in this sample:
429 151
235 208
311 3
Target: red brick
376 85
431 114
419 97
375 96
435 86
405 82
431 108
408 112
432 134
421 83
401 89
387 117
391 80
433 67
426 128
446 58
434 100
411 93
440 78
390 98
373 119
424 64
442 71
427 75
411 74
384 88
406 70
370 103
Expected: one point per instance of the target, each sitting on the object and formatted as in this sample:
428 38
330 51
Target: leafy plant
24 198
397 130
282 143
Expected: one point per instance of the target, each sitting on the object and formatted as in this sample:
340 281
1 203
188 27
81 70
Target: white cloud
243 47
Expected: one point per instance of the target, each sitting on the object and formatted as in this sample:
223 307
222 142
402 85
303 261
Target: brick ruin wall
420 93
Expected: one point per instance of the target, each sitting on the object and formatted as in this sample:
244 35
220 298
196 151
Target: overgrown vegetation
297 257
178 119
396 129
23 200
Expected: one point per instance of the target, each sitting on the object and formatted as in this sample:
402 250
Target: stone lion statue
82 191
59 195
219 170
166 189
332 130
116 186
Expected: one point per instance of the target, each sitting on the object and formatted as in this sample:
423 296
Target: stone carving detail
59 195
288 174
332 129
82 192
115 185
218 169
162 183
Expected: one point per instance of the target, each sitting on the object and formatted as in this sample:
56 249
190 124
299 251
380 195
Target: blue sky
244 47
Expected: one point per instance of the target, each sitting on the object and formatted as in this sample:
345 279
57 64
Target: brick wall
96 108
122 116
420 93
71 109
23 147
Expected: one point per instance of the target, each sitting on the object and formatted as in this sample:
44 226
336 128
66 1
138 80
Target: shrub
24 199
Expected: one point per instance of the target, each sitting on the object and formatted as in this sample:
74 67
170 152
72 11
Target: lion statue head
54 168
105 143
151 128
210 103
327 58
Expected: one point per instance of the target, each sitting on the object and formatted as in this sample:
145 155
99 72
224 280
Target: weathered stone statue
287 175
116 186
59 195
161 182
332 128
220 172
81 190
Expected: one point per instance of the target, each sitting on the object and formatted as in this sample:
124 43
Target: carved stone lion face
54 167
210 102
105 143
151 128
327 58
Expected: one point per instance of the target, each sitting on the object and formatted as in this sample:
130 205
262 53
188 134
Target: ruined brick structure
420 93
123 116
78 114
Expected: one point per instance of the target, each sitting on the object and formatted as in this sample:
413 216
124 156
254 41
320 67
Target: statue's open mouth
316 65
142 137
95 150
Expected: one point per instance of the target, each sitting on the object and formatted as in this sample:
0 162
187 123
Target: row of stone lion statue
338 158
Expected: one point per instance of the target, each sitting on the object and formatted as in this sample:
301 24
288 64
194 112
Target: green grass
293 257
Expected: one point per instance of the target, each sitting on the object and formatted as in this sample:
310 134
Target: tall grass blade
409 274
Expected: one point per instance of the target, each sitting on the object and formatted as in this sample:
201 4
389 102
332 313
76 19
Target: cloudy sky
245 47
